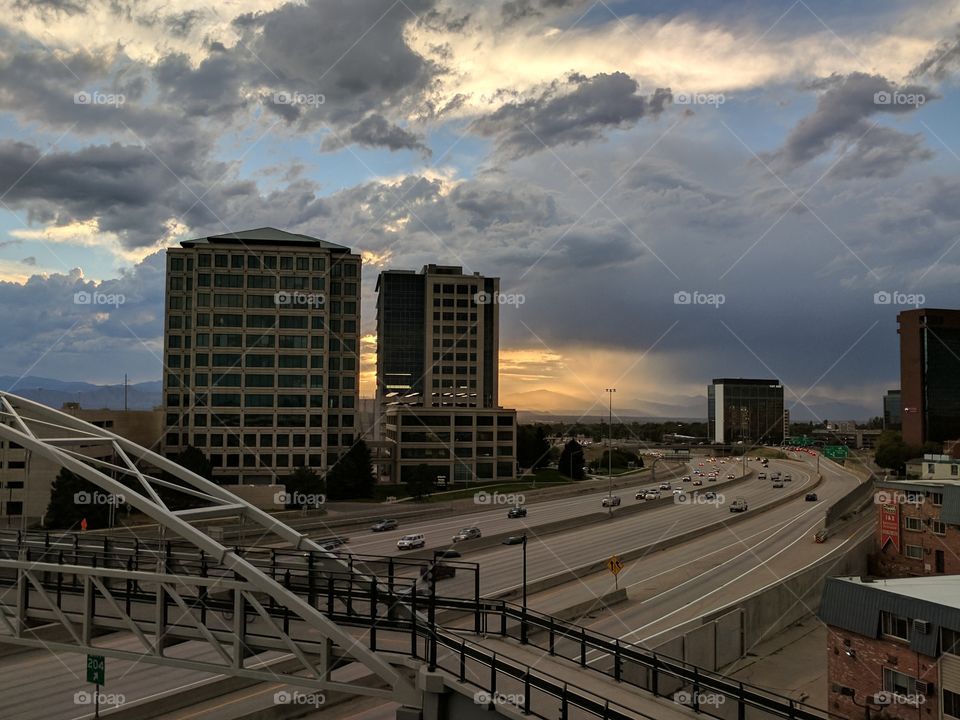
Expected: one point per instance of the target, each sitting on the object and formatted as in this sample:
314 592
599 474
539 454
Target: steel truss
318 643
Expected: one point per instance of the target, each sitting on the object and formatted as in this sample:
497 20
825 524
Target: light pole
521 540
610 392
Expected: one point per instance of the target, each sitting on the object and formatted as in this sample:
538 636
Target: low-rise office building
893 647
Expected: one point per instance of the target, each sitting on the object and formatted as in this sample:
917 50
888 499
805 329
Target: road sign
835 452
615 564
96 669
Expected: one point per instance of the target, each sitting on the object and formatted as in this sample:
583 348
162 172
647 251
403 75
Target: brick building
918 528
893 647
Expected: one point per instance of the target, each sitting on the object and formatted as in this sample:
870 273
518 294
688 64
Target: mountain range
140 396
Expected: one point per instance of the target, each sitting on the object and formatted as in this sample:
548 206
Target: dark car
811 497
384 524
517 512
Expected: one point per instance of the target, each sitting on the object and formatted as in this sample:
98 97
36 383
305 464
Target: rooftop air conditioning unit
921 626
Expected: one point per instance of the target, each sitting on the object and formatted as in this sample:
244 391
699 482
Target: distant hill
140 396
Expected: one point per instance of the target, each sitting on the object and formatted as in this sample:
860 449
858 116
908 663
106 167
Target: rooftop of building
265 236
745 381
938 589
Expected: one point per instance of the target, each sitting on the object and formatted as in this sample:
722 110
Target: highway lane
678 586
493 520
555 553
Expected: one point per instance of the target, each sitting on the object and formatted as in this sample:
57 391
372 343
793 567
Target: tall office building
437 337
437 375
261 352
930 375
891 410
745 410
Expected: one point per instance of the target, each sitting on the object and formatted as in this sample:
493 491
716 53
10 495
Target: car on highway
333 543
652 495
778 483
787 478
698 482
409 542
467 533
610 501
710 495
810 497
739 505
384 524
517 511
685 478
730 476
762 476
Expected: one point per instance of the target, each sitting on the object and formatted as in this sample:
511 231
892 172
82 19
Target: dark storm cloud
513 11
577 111
133 191
883 153
211 89
844 115
376 131
942 61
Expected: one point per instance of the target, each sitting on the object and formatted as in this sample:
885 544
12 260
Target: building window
939 528
931 468
951 703
893 625
896 682
914 551
950 641
913 523
936 498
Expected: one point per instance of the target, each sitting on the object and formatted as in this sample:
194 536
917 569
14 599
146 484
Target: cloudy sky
775 163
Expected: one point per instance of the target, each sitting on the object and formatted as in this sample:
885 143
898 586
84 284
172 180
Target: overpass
429 652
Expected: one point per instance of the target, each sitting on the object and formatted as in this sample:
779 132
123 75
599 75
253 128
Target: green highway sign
835 452
96 669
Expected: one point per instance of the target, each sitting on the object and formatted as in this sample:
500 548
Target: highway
666 589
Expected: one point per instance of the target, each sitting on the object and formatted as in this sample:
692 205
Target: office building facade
437 375
745 410
929 375
891 410
261 352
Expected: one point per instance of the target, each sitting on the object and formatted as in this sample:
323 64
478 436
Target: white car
698 482
652 494
409 542
610 501
678 491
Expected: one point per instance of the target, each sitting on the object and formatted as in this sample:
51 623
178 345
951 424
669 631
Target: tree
351 477
73 499
891 452
194 460
571 461
419 481
533 448
300 484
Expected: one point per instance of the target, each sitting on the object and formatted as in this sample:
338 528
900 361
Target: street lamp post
521 540
610 392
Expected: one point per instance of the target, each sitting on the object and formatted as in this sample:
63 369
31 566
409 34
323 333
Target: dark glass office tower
930 375
745 410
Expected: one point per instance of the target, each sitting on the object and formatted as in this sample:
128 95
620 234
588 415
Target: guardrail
398 609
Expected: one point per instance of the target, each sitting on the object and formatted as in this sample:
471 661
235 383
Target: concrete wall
852 502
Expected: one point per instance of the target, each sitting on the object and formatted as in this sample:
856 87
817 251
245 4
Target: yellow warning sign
615 564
